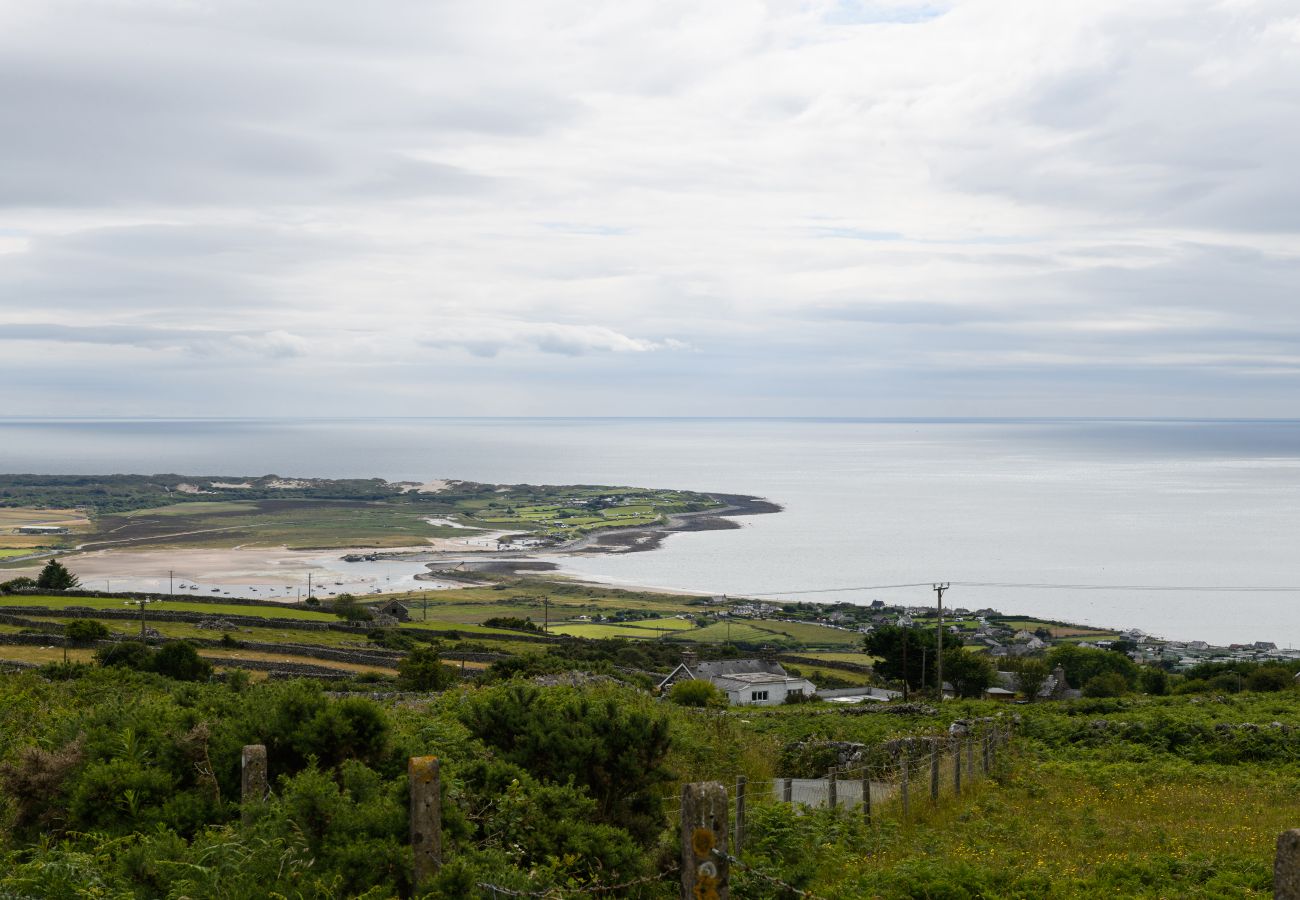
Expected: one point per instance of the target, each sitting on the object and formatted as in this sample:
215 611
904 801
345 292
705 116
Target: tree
83 631
696 692
1154 680
179 660
14 585
1107 684
1082 664
126 654
56 577
613 749
1269 678
422 670
888 641
971 674
347 608
1031 675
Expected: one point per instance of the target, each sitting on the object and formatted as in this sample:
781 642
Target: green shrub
127 655
1269 678
1107 684
423 670
696 692
179 660
83 631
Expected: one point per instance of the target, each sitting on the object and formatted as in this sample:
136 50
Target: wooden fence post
866 794
426 816
704 830
832 789
741 781
787 791
970 758
252 776
985 749
956 767
906 809
1286 866
934 770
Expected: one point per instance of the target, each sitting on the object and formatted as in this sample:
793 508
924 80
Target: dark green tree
348 608
888 642
1154 680
1082 664
179 660
1031 673
614 750
56 577
127 655
970 674
422 670
83 631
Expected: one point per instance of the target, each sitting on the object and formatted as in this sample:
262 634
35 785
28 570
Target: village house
746 682
394 609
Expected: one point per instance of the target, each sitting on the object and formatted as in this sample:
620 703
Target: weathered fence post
1286 866
832 789
252 775
741 781
970 758
903 786
866 794
993 748
787 791
934 770
426 816
985 751
956 767
704 831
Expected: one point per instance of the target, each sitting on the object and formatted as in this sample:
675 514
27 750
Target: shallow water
1115 508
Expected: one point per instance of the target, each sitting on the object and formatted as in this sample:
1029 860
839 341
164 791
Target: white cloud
838 206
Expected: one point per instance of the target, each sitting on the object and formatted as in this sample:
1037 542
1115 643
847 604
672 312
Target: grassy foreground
1137 797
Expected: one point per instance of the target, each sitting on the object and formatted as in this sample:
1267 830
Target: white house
746 682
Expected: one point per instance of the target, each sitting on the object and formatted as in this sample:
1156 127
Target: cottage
41 529
394 609
746 682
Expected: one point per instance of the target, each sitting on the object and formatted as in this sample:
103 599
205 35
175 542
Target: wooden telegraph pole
938 650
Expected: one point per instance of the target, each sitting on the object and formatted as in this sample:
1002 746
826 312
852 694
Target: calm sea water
1115 507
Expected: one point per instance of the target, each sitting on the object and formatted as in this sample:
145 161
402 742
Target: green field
267 612
185 511
752 631
861 659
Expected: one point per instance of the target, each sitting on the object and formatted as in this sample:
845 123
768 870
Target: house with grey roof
746 682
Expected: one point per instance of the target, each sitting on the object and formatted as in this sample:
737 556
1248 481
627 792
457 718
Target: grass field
296 524
861 659
776 633
7 552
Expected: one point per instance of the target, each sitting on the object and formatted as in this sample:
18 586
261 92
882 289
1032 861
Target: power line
1218 588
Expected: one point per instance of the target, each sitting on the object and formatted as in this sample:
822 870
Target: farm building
41 529
394 609
746 682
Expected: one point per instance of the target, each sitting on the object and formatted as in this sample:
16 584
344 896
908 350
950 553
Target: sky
649 207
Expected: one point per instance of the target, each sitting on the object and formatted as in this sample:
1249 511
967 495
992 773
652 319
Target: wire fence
896 781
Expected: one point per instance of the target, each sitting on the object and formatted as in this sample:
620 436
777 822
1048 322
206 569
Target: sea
1185 529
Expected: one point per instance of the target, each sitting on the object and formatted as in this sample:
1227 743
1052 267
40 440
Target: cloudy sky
650 207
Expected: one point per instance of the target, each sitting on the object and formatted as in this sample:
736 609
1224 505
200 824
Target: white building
746 682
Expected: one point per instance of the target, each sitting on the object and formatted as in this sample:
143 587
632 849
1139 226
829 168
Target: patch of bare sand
253 566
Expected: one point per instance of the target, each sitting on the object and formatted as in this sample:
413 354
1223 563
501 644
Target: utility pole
308 585
905 642
426 608
938 651
546 621
171 586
